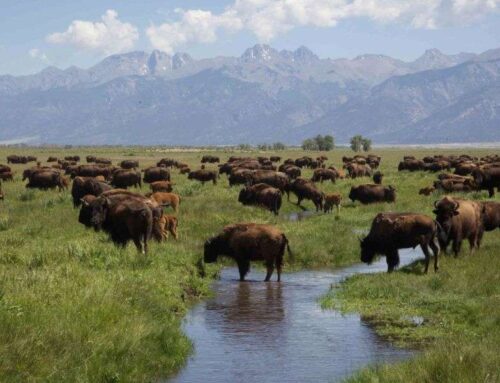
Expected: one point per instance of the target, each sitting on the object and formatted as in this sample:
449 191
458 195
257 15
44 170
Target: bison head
85 216
390 194
353 193
212 250
245 196
99 212
367 251
445 210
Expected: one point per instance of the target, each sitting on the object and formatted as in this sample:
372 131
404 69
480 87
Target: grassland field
74 308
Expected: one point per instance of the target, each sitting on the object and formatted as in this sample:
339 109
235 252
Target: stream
276 332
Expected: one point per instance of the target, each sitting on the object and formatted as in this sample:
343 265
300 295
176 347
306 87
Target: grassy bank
459 337
75 308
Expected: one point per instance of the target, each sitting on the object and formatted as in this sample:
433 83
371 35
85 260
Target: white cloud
106 37
35 53
267 19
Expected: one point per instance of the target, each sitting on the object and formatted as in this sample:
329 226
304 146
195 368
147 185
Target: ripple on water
276 332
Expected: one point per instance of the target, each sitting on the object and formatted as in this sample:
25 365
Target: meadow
75 308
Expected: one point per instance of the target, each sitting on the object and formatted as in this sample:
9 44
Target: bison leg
270 269
457 244
279 266
138 244
435 249
243 267
392 259
425 249
491 192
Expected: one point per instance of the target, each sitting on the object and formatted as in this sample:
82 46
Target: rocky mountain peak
260 52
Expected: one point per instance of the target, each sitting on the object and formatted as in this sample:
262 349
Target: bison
129 164
372 193
490 215
460 219
124 178
390 232
427 191
263 195
203 176
47 179
324 174
377 178
209 159
246 242
83 186
168 224
167 199
156 173
305 189
331 200
487 179
161 186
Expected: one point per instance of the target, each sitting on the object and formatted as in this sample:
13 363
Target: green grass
459 338
75 308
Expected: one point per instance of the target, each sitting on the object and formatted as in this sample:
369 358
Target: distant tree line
321 143
276 146
359 143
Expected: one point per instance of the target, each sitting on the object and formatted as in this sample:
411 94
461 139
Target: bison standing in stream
246 242
393 231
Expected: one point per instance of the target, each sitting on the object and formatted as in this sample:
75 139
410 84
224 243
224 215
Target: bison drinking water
245 242
393 231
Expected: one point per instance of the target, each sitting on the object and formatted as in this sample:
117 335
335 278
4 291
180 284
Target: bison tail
287 245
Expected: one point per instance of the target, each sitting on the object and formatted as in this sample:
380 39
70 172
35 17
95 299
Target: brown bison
167 199
90 159
331 200
305 189
358 170
92 171
275 158
47 179
72 158
278 180
372 193
83 186
411 164
246 242
460 219
487 179
262 195
377 178
52 159
324 174
291 171
166 163
168 224
427 191
129 164
490 215
124 219
240 176
203 176
102 161
161 186
123 178
390 232
156 173
15 159
7 176
209 159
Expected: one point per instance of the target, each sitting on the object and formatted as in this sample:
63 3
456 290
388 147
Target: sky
37 33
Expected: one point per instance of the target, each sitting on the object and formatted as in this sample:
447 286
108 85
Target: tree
322 143
367 144
357 143
279 146
309 144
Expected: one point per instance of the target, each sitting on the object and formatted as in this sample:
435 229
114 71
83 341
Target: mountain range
263 96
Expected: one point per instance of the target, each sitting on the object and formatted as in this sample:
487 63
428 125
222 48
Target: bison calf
331 200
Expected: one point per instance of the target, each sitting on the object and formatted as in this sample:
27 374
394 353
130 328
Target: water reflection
276 332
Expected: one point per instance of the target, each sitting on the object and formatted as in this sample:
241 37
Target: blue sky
38 33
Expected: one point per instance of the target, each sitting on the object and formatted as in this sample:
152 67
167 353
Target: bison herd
100 190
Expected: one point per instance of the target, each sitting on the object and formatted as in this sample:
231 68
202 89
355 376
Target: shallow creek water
276 332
